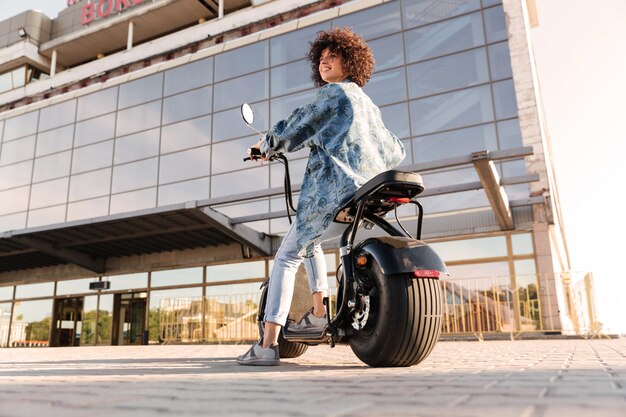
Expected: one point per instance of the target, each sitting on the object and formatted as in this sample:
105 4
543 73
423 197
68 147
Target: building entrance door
129 318
68 321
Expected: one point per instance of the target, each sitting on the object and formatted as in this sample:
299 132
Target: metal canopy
91 242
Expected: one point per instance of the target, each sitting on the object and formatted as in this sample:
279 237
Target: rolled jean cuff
276 320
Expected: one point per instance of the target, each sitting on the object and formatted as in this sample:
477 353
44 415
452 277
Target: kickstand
332 336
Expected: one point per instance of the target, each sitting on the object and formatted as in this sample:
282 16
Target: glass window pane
6 293
500 61
513 168
291 77
188 76
12 221
294 45
420 12
443 38
491 2
495 24
251 88
245 209
31 322
52 166
451 110
19 126
489 270
187 105
282 107
487 247
460 142
90 184
522 244
396 119
58 115
296 173
135 175
55 140
44 289
88 209
517 192
17 150
228 156
92 157
373 22
138 146
182 192
452 202
95 130
241 61
187 134
135 200
448 73
231 272
387 87
141 90
176 277
240 182
105 319
128 282
139 118
388 52
229 124
456 176
96 104
5 308
89 326
193 163
46 216
169 300
526 272
504 96
49 193
14 200
509 134
15 175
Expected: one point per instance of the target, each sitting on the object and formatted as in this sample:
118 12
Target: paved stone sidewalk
562 378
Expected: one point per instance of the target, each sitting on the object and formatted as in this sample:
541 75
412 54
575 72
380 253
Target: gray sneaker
310 324
256 355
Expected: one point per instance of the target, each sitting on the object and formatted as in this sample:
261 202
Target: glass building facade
443 82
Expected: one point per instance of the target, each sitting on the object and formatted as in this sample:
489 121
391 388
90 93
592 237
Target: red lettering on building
103 8
89 14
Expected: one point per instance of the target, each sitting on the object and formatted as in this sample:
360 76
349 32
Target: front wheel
403 320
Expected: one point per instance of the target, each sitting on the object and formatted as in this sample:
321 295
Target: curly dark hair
358 60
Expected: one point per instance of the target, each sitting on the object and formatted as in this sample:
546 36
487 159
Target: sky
581 61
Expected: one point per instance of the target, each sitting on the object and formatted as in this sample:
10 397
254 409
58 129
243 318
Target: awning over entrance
89 243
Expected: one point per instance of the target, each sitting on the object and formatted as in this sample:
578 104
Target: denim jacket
349 145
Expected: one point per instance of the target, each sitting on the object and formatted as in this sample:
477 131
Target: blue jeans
283 276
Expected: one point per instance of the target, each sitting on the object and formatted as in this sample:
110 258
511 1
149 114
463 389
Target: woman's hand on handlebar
255 154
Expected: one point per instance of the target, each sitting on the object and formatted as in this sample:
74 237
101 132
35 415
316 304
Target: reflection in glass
241 61
420 12
44 289
14 200
5 320
443 38
451 110
139 118
517 192
228 156
176 277
12 221
15 175
187 134
55 140
387 87
509 134
141 90
296 173
454 176
96 104
169 318
135 175
495 24
388 52
89 325
247 89
50 215
448 73
188 76
182 192
134 200
292 77
128 281
95 130
138 146
231 272
52 166
74 286
513 168
505 101
240 182
17 150
282 107
486 247
105 319
31 324
92 157
373 22
19 126
57 115
452 202
49 193
396 119
193 163
91 184
88 209
229 124
522 244
455 143
500 61
187 105
294 45
244 209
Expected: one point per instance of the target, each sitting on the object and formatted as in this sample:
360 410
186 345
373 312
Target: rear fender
397 255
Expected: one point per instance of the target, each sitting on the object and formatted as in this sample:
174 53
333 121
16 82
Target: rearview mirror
247 113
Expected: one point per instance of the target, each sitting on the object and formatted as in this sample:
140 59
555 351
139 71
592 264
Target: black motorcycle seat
379 189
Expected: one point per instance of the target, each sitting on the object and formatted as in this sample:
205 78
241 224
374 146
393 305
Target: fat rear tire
288 349
404 320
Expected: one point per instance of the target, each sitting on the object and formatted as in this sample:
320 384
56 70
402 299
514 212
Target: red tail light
426 273
402 200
